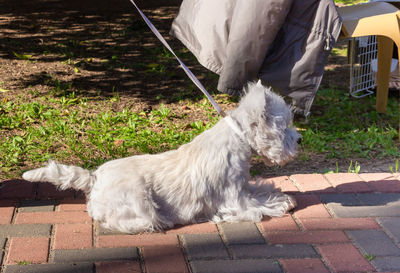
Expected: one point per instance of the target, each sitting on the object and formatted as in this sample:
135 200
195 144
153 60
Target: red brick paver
28 250
313 230
195 228
278 224
72 205
73 236
348 182
382 182
164 258
310 206
312 183
6 214
284 183
13 189
344 258
56 217
303 266
47 190
338 223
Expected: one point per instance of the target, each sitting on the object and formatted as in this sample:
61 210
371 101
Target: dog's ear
273 103
261 120
268 105
268 96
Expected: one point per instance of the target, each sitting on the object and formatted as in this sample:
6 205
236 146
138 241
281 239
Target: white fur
206 179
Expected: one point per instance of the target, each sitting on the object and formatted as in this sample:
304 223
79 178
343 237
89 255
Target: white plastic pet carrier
363 65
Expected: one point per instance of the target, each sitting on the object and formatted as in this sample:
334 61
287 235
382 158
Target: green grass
369 257
68 125
65 128
344 127
48 128
350 2
22 56
395 169
24 263
339 51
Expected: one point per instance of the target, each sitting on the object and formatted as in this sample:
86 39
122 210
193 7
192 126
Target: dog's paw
292 203
280 205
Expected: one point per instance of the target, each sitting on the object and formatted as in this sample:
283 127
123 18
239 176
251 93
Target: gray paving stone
25 230
94 254
200 246
2 251
273 251
375 242
364 211
236 266
363 205
380 199
392 226
51 268
342 199
241 233
36 205
386 263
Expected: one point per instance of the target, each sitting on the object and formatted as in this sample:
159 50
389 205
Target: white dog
206 179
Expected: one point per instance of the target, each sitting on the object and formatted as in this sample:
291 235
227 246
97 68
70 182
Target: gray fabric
295 64
281 42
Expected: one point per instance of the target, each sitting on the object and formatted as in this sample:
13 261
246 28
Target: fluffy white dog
206 179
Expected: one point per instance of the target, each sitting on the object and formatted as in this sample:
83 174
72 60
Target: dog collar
234 126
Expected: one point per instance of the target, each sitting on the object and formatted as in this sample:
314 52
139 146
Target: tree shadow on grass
96 48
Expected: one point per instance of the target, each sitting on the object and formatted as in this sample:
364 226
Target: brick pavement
343 223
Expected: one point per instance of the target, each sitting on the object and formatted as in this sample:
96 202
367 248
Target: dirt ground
108 50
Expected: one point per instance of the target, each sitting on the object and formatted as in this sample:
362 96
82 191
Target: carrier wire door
362 55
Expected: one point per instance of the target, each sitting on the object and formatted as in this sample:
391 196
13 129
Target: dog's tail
63 176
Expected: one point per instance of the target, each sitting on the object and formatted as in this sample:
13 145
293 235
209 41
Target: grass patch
72 111
64 128
339 51
24 263
369 257
344 127
350 2
395 169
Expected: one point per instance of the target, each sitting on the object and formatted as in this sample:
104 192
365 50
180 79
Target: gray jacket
285 43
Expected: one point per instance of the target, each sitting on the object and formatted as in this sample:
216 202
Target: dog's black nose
299 140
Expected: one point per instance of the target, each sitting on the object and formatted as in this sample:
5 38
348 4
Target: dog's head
267 123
